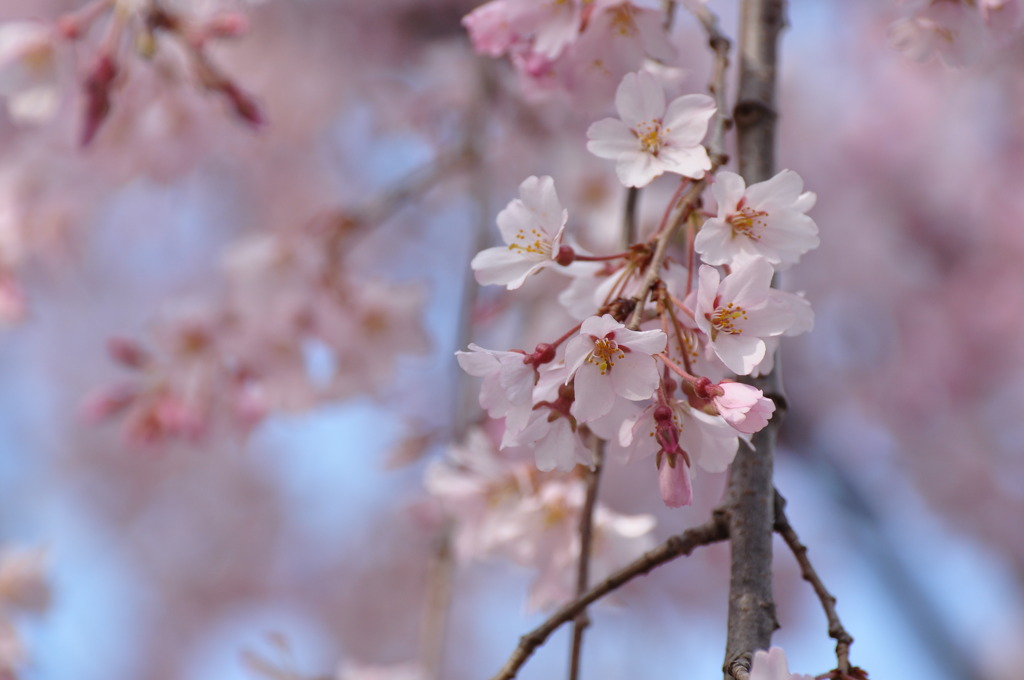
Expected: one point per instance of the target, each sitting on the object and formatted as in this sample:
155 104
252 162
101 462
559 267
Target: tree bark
750 498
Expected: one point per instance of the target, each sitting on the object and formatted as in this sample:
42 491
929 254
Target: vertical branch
439 599
750 494
582 620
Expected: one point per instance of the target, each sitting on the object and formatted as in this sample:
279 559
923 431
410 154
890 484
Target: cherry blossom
552 430
507 390
617 38
609 361
743 406
532 227
649 139
738 312
682 437
28 72
772 665
543 534
765 219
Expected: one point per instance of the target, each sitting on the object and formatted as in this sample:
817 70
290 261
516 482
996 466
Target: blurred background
298 530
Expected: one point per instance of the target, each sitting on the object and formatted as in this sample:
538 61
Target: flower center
748 222
539 246
649 134
724 319
604 354
623 22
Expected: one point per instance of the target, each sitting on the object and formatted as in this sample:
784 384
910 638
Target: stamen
604 354
748 222
723 318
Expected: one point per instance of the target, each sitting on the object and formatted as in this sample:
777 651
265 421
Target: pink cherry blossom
617 37
608 361
772 665
738 312
765 219
743 406
674 481
532 227
649 139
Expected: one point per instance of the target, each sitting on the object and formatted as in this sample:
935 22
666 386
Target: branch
653 274
828 602
714 530
751 491
586 542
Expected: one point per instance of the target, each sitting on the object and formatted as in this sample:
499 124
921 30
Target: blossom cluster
243 357
582 47
507 509
956 30
649 367
31 57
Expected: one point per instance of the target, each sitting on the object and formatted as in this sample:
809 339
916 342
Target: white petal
728 190
501 266
635 376
690 162
594 394
686 120
640 98
611 138
638 169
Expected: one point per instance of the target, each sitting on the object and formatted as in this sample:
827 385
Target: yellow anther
604 354
748 222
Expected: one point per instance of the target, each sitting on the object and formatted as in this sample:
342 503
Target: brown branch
828 601
438 603
629 225
653 273
751 491
712 531
582 620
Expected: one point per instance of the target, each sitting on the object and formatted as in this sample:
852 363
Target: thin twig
712 531
579 625
686 202
828 602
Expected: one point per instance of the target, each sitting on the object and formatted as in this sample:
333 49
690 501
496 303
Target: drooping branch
714 530
828 601
750 498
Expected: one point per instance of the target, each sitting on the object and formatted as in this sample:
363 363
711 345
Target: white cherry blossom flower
507 389
532 227
649 139
772 665
765 219
738 312
610 361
